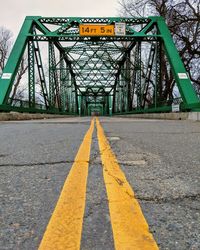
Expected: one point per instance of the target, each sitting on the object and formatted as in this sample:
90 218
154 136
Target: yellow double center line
65 226
130 229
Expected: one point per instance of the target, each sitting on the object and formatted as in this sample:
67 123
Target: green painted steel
95 73
185 86
14 60
31 74
41 73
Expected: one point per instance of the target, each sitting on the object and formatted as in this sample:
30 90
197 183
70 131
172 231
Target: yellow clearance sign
96 30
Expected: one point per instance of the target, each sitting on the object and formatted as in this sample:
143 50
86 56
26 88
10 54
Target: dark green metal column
63 83
31 74
51 77
54 88
75 95
123 92
138 69
158 80
128 83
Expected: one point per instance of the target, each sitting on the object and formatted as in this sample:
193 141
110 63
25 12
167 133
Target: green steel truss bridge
84 65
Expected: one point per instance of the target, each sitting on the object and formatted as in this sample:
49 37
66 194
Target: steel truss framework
105 73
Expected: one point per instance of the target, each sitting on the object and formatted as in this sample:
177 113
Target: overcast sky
13 12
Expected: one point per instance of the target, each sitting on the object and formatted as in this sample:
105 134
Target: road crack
35 164
168 199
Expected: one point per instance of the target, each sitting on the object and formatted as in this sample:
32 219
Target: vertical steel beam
80 100
31 74
69 94
67 87
128 82
54 90
123 92
51 77
75 94
63 83
158 80
114 93
120 94
110 105
138 69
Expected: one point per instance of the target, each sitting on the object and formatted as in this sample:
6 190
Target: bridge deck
160 160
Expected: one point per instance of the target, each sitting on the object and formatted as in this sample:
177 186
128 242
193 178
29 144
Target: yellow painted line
65 226
130 229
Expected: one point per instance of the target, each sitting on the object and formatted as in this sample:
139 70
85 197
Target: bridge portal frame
27 37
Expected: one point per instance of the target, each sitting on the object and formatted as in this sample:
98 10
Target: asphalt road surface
160 159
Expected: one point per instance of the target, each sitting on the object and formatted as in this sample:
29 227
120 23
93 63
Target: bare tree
185 27
183 19
5 45
5 48
17 93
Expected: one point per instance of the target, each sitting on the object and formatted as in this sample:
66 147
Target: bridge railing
24 104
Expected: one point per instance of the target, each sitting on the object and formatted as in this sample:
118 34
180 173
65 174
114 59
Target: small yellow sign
96 30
